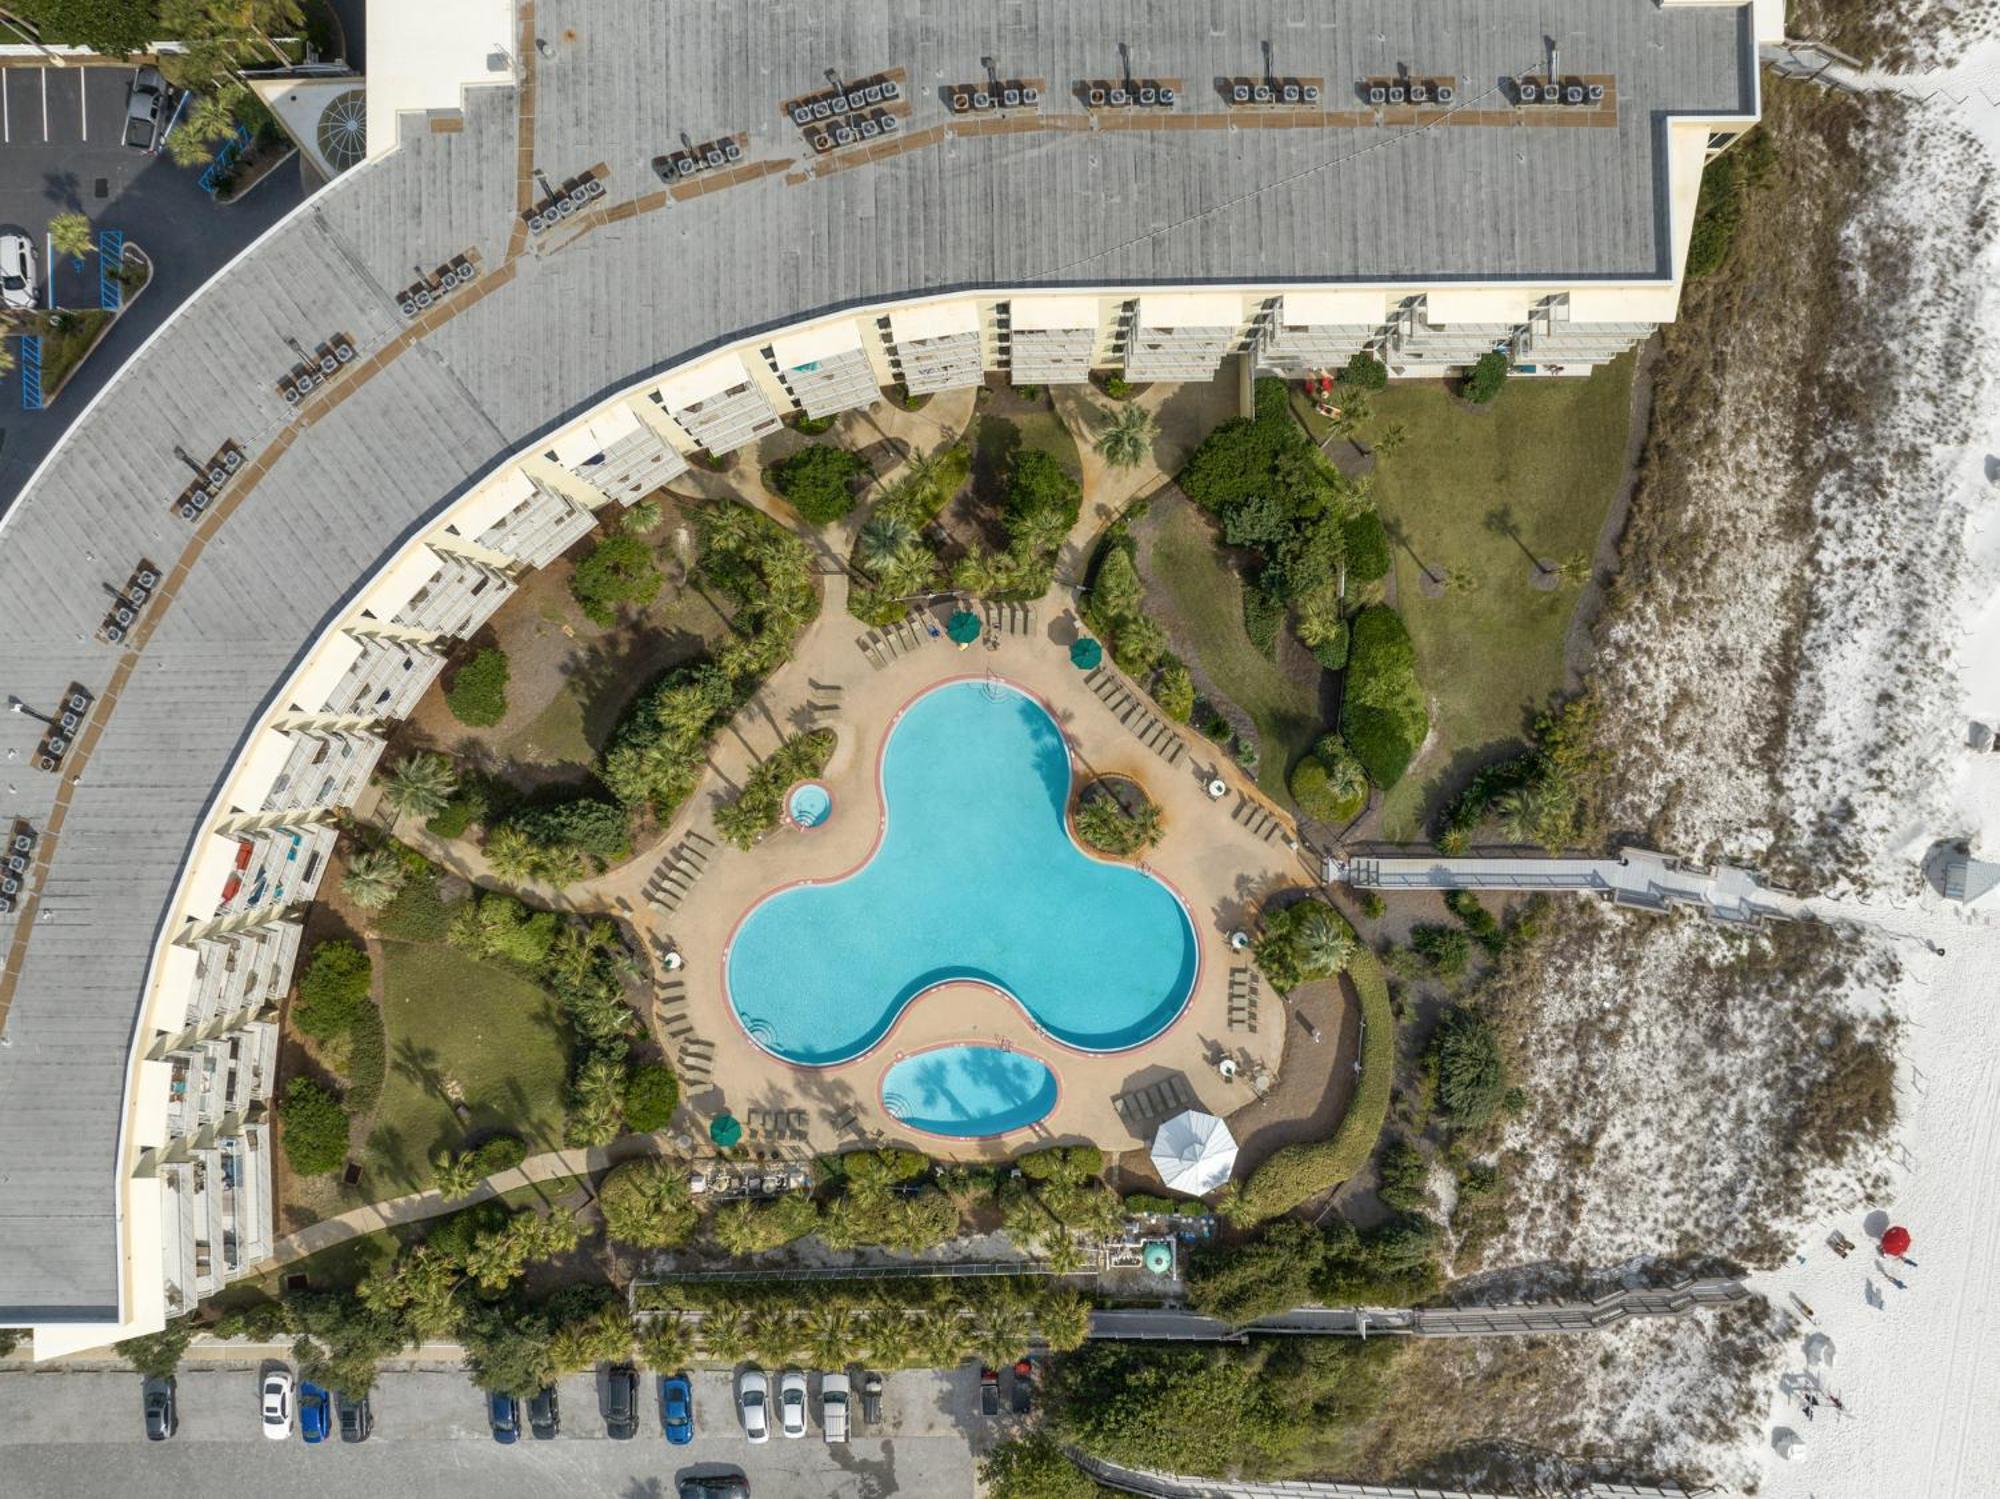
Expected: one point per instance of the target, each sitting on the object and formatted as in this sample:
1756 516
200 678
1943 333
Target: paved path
1179 1486
415 1207
1631 877
1526 1319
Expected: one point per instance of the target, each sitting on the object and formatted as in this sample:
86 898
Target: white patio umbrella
1194 1152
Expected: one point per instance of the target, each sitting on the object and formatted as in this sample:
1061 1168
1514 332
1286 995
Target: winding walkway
415 1207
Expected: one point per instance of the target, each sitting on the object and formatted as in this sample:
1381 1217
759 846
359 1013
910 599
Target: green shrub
1033 1467
1370 904
417 914
313 1127
1380 743
1480 922
1303 941
1298 1173
1138 646
1061 1163
812 426
333 991
478 691
646 1203
1364 371
1486 378
1307 783
1725 182
494 926
1332 651
652 1093
589 826
1382 645
1102 822
1464 1060
618 571
157 1354
1039 486
1117 387
1262 614
367 1062
1367 546
1446 948
472 802
817 482
501 1153
1402 1177
1173 690
1383 714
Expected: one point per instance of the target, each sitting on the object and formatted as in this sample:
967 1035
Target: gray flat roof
1047 207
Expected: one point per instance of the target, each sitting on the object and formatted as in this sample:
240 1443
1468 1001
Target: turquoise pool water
968 1092
976 878
809 804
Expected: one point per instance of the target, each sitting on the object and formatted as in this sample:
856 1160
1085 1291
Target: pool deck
1221 868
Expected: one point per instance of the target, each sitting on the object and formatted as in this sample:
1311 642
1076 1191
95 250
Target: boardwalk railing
1178 1486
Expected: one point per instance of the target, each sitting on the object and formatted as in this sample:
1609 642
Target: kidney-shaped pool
968 1092
976 878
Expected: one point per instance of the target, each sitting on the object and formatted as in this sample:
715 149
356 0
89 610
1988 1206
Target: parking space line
45 102
6 125
83 101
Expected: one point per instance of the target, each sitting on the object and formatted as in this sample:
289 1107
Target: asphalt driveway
62 151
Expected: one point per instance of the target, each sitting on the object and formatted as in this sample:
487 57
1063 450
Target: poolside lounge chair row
912 632
776 1124
1257 817
1140 1107
1010 619
675 875
1244 987
1136 713
695 1060
672 1008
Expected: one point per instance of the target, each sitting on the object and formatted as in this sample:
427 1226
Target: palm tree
941 1340
890 1336
1543 811
373 878
1126 438
667 1344
421 785
725 1334
572 1348
1063 1320
512 853
882 541
455 1177
1324 943
774 1336
1574 569
69 234
1345 778
830 1337
1393 437
1004 1332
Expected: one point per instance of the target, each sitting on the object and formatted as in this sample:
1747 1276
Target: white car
834 1390
17 271
753 1403
278 1404
792 1403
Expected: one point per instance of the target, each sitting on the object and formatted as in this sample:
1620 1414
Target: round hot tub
808 804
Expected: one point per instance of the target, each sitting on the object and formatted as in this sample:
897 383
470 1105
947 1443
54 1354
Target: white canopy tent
1194 1152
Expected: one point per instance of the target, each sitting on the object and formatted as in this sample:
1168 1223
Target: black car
621 1402
544 1413
357 1418
503 1415
162 1410
1024 1386
714 1486
871 1398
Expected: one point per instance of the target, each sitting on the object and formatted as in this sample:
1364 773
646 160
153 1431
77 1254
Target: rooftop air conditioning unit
1418 93
1397 93
890 123
23 842
1529 90
1446 93
1096 96
982 100
1239 93
1377 94
114 634
1311 91
684 165
869 130
1573 94
872 94
715 157
731 151
1119 96
1167 96
1291 93
960 103
889 89
1030 94
802 114
343 352
1010 98
843 135
1149 96
838 104
1596 92
407 307
821 109
1262 93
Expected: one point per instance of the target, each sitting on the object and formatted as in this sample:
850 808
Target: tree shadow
64 189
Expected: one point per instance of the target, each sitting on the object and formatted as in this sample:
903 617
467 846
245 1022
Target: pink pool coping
881 828
882 1083
803 827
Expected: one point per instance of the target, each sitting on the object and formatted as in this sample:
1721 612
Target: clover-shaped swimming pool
975 878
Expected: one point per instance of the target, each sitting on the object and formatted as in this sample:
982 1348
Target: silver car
144 99
18 282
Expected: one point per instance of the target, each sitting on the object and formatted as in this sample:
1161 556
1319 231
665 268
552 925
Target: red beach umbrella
1896 1240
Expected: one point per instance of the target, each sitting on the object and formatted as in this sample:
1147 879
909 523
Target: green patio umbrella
725 1130
963 627
1086 654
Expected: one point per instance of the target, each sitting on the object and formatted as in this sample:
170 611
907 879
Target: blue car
677 1408
503 1414
315 1413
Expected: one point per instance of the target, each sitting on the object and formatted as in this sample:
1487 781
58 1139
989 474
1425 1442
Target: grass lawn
1204 600
1551 452
999 434
461 1029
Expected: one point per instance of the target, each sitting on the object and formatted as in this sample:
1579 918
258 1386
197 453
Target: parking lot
62 151
80 1433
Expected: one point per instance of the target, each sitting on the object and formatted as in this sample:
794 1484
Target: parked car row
754 1404
619 1406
